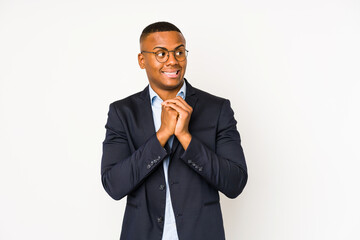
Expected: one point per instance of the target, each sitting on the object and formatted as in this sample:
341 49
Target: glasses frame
167 56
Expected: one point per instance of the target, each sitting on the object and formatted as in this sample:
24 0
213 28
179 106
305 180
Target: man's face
168 75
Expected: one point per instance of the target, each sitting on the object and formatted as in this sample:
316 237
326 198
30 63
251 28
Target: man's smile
171 73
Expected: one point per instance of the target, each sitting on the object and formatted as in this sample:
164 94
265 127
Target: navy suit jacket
132 166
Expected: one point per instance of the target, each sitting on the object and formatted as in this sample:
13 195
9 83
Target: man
170 148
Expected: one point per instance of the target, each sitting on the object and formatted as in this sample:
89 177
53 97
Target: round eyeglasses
162 55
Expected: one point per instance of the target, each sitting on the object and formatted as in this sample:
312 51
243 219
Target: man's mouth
171 74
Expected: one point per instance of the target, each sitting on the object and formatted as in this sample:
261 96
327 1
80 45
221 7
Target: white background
290 69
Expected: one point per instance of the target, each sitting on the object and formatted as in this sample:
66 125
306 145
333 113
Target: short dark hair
158 27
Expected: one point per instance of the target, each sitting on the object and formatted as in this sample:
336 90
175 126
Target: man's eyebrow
181 45
160 47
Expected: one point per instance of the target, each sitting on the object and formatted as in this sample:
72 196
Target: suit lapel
146 117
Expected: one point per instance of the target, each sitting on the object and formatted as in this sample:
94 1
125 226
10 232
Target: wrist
184 139
162 136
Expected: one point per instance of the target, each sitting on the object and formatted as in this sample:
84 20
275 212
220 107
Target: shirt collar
155 97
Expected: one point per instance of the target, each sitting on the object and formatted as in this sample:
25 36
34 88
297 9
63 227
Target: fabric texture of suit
132 166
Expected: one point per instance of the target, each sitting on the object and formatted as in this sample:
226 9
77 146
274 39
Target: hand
168 123
182 125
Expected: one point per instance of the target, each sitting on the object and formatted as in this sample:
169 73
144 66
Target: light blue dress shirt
170 232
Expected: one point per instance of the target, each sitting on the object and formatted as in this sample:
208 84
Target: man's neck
167 94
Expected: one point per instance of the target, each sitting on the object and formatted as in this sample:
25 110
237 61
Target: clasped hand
175 118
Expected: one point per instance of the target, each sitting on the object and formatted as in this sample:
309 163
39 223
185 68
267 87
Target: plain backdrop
289 68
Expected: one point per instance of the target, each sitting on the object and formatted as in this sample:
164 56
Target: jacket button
161 187
189 161
148 166
200 169
159 219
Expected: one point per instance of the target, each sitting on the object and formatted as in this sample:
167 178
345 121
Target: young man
170 148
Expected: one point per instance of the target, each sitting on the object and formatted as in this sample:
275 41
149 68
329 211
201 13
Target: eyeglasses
162 55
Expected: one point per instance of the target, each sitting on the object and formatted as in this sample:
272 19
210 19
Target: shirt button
159 219
161 187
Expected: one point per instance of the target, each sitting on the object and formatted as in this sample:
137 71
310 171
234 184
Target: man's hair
158 27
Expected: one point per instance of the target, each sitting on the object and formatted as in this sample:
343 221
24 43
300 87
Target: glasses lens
180 54
161 55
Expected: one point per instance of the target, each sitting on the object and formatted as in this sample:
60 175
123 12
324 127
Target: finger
180 110
184 102
169 110
179 103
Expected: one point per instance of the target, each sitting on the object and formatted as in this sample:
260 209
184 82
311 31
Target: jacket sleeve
122 171
225 169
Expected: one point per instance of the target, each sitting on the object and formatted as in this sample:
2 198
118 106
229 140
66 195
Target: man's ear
141 61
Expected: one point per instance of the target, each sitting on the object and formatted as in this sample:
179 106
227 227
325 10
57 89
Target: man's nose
172 60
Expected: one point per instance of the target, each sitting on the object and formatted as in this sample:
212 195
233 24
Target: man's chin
173 83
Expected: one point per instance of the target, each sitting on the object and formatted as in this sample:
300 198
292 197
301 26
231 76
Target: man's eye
179 53
161 54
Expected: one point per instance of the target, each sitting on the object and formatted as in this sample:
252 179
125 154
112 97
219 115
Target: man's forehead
163 39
